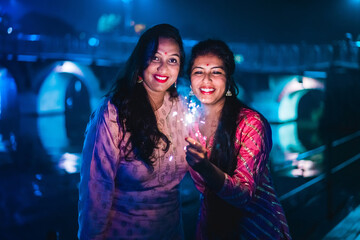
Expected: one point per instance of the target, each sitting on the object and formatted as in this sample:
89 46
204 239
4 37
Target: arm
252 138
99 163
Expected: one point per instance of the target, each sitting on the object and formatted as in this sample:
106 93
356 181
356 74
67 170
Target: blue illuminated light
93 42
315 74
0 100
13 142
33 37
8 95
29 37
357 43
239 58
9 30
78 86
70 163
1 87
69 102
27 58
3 147
37 191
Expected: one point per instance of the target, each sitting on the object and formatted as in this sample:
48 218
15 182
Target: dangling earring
191 93
140 79
228 93
175 84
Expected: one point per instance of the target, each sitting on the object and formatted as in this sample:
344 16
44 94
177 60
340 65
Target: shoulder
248 115
111 111
251 120
105 112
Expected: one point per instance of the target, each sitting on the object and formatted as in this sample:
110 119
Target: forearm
212 175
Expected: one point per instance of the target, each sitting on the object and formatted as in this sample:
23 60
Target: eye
155 59
173 60
217 72
197 72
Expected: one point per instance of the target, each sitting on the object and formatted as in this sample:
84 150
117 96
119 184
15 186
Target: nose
207 77
162 68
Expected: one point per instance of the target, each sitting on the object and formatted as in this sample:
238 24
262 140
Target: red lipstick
160 78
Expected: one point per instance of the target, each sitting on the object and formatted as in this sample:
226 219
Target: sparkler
191 116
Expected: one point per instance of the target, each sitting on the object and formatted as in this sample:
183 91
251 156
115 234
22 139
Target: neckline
205 141
165 109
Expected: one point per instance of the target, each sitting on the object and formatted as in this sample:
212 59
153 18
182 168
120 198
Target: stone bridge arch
300 109
65 100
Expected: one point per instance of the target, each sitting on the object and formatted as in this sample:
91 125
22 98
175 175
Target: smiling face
163 68
208 80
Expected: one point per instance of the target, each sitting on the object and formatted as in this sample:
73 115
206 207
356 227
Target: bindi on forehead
207 64
165 53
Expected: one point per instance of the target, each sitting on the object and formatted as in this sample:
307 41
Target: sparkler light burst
192 112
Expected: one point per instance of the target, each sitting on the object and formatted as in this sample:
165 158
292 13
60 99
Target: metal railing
333 170
111 50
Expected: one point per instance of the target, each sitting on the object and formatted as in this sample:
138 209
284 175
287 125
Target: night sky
280 21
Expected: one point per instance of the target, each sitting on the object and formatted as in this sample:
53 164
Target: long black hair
135 113
221 216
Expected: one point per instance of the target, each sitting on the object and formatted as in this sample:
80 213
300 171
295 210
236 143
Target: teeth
207 89
161 78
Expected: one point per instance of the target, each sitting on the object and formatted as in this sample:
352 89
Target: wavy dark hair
135 113
221 216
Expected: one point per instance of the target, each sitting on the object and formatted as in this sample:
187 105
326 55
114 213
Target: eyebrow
210 68
174 54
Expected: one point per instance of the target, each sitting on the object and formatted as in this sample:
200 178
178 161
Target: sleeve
253 139
100 159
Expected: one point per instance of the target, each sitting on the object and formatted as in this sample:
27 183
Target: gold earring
228 93
140 79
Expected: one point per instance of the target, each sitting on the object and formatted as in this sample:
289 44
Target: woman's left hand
196 154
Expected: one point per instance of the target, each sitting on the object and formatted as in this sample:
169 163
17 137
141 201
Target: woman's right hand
197 158
196 154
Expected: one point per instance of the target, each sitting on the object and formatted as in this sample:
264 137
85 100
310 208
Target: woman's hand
197 158
196 154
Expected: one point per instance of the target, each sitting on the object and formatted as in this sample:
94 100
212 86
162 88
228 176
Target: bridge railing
252 57
294 58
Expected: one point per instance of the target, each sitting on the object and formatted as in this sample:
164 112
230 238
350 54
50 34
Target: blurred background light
9 30
139 28
70 162
77 86
239 58
109 23
93 42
